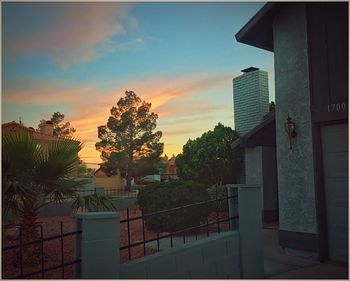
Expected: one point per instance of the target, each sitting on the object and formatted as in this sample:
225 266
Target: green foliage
164 196
60 129
210 159
217 192
129 135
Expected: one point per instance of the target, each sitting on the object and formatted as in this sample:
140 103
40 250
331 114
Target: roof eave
257 31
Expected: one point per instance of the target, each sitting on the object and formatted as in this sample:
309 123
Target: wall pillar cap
243 185
97 215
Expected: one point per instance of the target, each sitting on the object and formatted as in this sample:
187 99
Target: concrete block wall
212 257
226 255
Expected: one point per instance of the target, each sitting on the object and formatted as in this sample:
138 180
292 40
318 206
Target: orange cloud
183 108
44 92
173 99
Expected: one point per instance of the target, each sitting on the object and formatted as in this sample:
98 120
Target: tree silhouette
128 136
60 129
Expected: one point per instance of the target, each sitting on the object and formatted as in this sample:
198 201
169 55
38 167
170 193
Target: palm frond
94 202
58 162
20 153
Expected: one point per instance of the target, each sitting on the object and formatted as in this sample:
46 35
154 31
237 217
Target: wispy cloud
44 92
76 33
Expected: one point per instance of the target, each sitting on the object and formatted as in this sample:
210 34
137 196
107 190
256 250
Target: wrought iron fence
27 259
110 192
216 222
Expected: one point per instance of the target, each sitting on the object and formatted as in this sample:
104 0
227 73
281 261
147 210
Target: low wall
56 209
227 255
213 257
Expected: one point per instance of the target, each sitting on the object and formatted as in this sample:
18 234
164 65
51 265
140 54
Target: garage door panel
335 169
337 143
336 165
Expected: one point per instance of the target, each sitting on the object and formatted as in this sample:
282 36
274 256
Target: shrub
218 191
164 196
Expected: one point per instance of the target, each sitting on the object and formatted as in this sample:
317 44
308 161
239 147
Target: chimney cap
49 122
249 69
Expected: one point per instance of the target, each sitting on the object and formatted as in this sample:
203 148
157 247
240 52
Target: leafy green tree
60 129
209 159
128 136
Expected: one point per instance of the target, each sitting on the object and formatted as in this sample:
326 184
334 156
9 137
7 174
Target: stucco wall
295 167
260 165
253 165
110 182
214 257
270 193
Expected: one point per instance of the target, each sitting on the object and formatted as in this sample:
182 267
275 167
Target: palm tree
34 176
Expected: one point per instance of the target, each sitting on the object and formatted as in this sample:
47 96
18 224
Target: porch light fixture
290 127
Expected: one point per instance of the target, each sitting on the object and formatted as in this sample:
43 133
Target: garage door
335 164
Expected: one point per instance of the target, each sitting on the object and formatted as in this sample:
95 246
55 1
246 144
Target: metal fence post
250 231
99 245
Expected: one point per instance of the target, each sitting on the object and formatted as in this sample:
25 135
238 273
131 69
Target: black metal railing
217 221
29 259
109 191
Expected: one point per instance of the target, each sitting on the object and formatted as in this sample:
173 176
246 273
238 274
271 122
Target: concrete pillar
232 205
98 245
250 231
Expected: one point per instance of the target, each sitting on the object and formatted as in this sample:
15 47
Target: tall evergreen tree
128 136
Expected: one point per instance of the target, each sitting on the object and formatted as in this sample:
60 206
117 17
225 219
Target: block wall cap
243 185
97 215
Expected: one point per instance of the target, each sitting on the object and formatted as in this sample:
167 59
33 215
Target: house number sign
337 107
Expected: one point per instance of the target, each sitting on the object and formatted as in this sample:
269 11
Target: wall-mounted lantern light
290 128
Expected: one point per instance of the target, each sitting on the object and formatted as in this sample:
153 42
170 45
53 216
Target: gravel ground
32 258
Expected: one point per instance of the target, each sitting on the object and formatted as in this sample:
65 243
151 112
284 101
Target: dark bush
164 196
218 191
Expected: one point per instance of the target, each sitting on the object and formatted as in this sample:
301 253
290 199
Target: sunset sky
80 58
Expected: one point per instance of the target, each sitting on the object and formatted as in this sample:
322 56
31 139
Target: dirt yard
32 258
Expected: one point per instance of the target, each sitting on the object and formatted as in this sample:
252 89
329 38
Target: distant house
309 128
44 136
108 182
169 171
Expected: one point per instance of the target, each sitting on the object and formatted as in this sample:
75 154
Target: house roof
258 31
36 135
263 134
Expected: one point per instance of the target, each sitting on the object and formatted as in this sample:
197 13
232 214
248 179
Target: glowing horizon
80 58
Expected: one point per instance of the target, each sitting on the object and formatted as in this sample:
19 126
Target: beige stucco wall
113 182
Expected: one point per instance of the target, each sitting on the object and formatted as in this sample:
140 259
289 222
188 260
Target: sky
80 58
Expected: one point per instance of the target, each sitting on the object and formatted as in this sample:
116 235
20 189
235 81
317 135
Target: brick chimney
46 128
